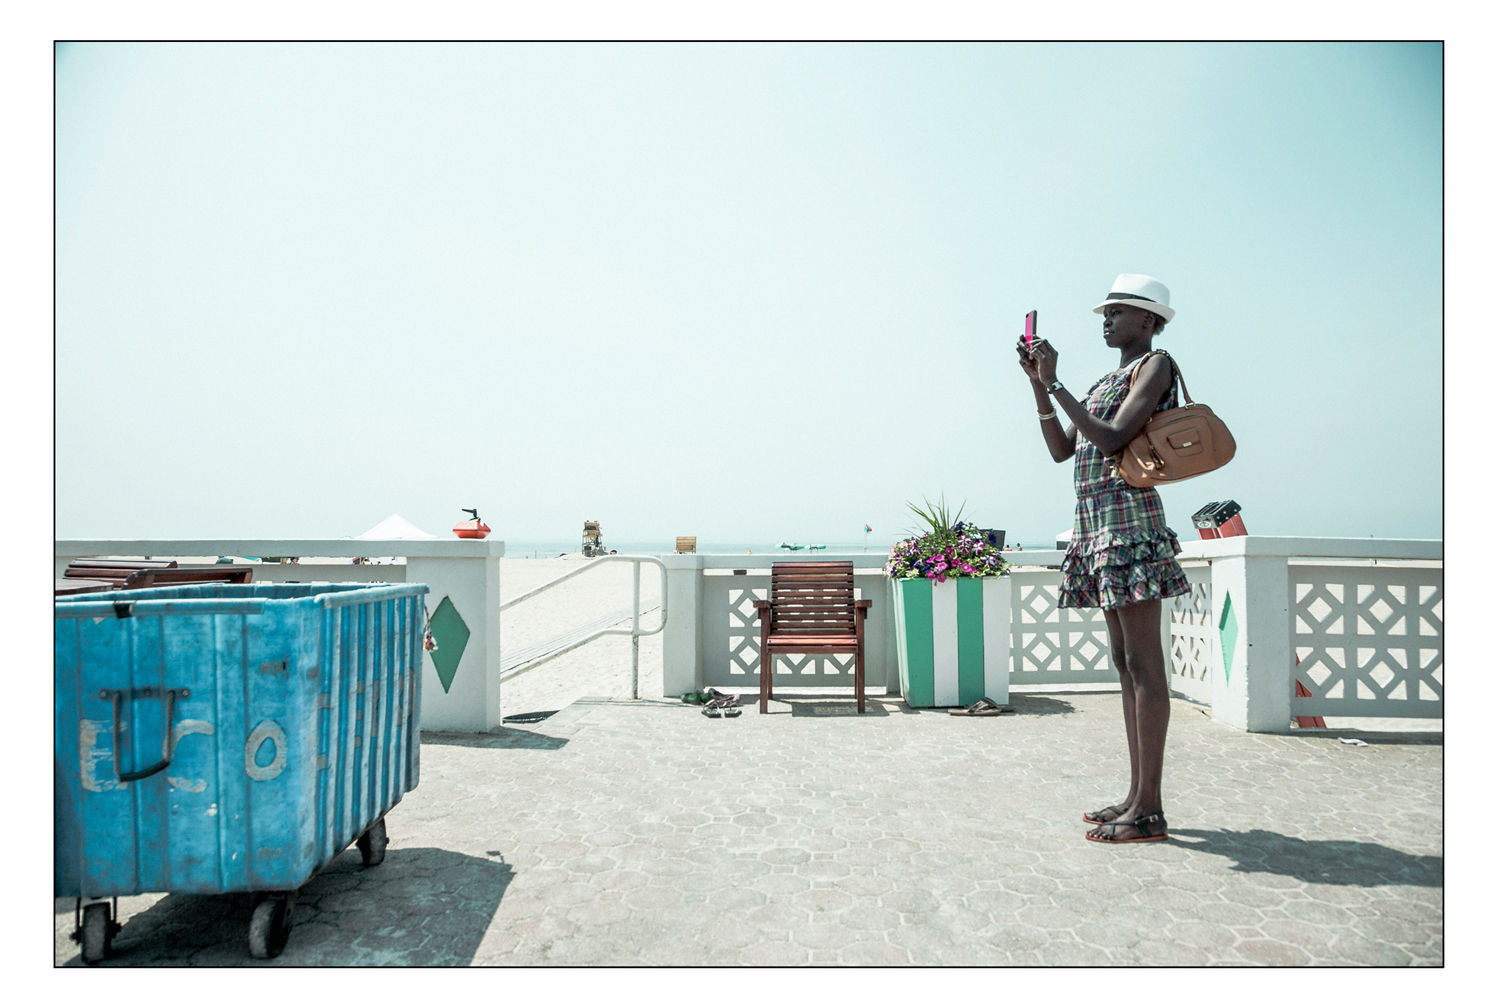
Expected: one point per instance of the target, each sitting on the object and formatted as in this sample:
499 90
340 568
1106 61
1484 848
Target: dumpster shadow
423 906
499 738
1326 862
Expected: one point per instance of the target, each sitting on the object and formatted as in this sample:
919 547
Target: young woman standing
1123 556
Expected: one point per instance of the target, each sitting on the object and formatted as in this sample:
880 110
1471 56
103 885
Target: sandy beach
599 668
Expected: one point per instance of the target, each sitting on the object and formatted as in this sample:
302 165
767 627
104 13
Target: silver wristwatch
1052 389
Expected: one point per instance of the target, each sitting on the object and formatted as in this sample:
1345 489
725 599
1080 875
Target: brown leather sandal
1103 833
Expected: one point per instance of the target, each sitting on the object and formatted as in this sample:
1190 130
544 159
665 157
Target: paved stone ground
642 833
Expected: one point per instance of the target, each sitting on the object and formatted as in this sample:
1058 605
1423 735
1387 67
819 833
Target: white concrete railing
1357 622
465 571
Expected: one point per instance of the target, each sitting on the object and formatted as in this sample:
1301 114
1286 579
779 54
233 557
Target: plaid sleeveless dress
1122 550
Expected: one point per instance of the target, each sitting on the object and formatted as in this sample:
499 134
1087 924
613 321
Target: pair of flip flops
984 706
721 705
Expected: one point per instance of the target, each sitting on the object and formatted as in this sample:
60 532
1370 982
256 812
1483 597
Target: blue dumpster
229 738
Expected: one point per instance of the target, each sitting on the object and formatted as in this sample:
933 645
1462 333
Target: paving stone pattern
642 833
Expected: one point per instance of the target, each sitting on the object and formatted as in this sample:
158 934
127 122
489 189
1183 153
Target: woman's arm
1061 443
1110 436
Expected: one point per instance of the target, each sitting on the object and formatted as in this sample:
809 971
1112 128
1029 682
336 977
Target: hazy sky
743 291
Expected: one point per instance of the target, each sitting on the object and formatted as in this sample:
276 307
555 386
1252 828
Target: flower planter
953 640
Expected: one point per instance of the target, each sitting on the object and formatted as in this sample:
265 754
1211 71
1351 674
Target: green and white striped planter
953 640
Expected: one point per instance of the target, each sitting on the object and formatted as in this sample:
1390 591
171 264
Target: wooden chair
812 610
687 543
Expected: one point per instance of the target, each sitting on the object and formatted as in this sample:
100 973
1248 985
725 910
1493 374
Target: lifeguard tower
593 539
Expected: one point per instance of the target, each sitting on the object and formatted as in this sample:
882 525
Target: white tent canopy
395 526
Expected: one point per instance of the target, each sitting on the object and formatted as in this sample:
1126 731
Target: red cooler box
1220 519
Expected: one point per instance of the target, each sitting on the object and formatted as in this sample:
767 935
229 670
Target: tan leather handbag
1175 444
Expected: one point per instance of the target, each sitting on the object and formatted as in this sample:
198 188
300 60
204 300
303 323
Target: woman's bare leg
1127 699
1145 666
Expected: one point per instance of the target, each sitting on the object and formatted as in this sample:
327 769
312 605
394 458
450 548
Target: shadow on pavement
817 705
806 706
1372 737
1035 704
422 906
1329 862
501 738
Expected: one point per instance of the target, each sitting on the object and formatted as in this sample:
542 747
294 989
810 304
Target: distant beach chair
687 543
812 610
85 576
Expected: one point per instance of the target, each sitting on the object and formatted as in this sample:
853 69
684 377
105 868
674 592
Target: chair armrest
862 604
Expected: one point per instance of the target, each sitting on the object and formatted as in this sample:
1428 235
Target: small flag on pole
868 529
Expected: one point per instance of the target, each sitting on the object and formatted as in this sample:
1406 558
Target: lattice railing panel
1051 644
1368 640
1191 618
1369 637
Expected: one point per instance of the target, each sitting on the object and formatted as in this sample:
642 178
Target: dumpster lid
225 599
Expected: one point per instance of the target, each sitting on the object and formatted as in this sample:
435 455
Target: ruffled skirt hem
1113 569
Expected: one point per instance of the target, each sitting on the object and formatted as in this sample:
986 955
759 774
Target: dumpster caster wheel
98 933
372 844
271 924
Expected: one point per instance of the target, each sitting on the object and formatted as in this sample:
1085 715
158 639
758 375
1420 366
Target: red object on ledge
472 528
1220 519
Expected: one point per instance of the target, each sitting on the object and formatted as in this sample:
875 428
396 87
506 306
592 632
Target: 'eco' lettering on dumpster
91 754
184 728
268 730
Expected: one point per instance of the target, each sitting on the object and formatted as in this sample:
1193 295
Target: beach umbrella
395 526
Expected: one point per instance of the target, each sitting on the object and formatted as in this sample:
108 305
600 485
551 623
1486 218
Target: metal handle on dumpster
114 697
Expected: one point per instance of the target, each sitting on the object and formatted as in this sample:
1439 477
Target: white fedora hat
1141 291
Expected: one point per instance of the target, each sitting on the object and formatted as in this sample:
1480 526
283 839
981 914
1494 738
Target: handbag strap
1176 374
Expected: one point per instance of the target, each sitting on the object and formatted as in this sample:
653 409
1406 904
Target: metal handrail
634 631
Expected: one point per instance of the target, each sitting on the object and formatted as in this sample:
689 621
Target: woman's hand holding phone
1028 359
1026 348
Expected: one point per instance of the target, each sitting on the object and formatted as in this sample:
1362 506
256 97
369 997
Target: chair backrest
812 598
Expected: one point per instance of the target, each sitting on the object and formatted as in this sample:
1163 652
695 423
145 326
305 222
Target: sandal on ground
1098 815
1104 832
721 708
984 706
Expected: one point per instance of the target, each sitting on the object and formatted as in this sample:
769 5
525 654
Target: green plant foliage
948 547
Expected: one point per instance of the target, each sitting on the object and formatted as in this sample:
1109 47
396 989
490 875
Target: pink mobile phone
1030 328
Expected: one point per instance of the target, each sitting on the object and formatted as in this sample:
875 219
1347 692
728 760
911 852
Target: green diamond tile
1229 631
452 635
